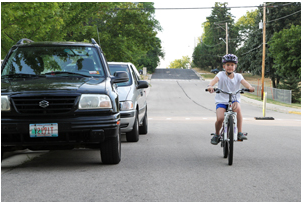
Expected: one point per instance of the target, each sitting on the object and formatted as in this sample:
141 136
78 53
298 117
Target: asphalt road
174 161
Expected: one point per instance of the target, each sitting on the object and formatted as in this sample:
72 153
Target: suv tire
111 150
133 135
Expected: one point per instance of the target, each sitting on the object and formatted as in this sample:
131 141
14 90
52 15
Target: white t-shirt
228 85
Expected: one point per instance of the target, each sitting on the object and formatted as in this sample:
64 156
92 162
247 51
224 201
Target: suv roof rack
93 41
24 40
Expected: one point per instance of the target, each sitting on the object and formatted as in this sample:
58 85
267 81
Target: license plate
43 130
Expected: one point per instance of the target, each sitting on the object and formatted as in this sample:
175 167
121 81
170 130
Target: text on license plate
43 130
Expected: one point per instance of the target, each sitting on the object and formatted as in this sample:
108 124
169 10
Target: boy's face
229 67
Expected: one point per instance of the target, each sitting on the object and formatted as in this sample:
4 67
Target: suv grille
44 104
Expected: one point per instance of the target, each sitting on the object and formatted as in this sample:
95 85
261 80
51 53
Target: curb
277 108
295 112
200 77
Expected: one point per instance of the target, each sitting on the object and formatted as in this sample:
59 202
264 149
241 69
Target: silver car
133 101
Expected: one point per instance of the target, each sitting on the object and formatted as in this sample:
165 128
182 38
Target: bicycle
228 133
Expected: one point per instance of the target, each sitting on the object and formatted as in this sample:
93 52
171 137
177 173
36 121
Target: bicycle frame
225 124
227 114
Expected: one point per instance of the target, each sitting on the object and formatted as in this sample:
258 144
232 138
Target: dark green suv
60 95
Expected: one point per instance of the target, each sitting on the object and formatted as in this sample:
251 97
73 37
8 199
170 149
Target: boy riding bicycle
228 81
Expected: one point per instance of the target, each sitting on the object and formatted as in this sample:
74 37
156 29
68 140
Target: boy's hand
211 89
252 89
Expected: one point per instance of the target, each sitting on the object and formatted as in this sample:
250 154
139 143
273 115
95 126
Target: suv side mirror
120 76
142 84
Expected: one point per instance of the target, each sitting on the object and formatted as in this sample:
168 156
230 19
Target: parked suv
133 101
60 95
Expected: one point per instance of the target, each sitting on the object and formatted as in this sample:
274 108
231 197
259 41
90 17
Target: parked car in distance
133 101
215 71
60 95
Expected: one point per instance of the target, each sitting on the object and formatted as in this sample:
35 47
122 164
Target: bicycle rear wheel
230 139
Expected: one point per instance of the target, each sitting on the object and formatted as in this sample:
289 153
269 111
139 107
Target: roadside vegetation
126 31
245 39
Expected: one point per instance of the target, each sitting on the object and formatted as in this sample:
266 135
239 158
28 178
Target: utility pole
227 38
263 52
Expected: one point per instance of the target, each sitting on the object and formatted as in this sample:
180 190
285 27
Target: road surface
174 161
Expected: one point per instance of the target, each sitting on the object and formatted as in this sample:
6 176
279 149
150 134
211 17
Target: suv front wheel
133 135
143 129
111 150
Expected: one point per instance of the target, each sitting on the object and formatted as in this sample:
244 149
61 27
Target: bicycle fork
225 124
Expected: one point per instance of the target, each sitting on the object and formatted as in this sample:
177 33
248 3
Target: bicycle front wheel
230 139
224 144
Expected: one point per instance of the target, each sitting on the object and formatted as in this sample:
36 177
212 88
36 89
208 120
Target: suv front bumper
127 120
76 131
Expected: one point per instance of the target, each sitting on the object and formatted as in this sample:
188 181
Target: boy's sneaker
215 139
241 137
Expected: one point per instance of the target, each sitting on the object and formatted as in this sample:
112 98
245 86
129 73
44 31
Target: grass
293 105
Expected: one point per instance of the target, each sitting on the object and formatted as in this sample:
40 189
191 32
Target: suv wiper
21 75
66 72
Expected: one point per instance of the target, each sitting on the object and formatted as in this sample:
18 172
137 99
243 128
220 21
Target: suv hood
123 92
51 83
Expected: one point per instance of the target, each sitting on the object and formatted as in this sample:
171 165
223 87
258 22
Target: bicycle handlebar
217 90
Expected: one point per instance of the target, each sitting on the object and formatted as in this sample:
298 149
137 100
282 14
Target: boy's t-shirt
228 85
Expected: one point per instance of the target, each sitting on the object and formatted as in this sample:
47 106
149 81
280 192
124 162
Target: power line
211 45
284 16
195 8
278 5
185 8
252 49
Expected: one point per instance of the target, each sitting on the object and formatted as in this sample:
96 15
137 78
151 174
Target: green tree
126 31
285 49
213 47
280 16
34 20
180 63
152 58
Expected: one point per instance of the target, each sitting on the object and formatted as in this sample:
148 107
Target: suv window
51 59
121 67
135 74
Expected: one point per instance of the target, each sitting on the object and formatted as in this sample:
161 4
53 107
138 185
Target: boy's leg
237 108
218 124
219 121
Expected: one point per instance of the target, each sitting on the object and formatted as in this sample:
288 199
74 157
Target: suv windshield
121 67
54 61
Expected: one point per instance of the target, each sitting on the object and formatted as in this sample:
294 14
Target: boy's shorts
225 106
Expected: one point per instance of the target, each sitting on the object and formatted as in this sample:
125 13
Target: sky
181 28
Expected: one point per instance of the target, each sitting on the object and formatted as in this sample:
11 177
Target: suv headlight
5 104
94 101
126 105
